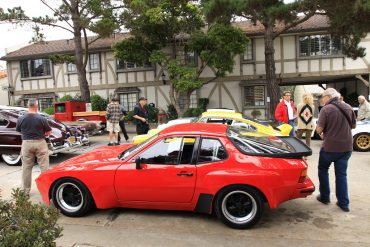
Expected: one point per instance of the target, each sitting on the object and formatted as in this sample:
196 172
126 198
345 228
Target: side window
168 151
3 122
211 150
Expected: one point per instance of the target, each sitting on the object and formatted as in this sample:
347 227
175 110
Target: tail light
303 176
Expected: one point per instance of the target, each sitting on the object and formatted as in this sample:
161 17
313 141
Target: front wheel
361 142
12 159
71 197
239 206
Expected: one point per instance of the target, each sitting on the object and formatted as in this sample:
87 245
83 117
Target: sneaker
116 144
326 202
345 209
111 144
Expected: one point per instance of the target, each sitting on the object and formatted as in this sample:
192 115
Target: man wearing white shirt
285 111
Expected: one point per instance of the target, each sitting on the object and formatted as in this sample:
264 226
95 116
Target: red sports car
193 167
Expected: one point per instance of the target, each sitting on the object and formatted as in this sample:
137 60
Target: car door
167 174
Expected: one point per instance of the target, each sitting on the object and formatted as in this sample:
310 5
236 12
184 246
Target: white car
361 136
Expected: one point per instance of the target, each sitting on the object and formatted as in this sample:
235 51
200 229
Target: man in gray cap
34 128
335 123
141 116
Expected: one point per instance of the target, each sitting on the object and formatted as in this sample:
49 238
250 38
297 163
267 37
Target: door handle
184 174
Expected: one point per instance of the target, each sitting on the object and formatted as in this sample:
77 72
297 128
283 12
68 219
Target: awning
38 96
127 90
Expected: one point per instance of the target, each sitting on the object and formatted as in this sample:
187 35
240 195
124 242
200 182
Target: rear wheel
239 206
12 159
361 142
72 197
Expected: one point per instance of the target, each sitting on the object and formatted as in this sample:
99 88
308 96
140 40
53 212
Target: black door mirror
138 163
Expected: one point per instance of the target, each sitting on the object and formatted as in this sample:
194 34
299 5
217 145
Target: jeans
340 167
291 123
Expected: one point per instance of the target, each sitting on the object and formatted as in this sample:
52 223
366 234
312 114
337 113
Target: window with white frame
248 54
254 96
71 67
35 68
194 99
128 100
190 58
319 45
45 103
123 65
94 61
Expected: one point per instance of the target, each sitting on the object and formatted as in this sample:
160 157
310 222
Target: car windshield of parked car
249 143
135 148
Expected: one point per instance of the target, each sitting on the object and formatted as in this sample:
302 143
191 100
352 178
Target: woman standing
305 112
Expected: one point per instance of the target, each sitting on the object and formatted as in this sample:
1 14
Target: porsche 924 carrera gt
194 167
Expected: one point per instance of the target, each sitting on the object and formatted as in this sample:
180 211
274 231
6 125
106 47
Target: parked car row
63 138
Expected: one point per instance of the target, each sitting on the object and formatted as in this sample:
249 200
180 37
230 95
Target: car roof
196 128
224 114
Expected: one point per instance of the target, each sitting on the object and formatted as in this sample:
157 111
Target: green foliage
256 113
162 30
98 103
24 224
352 99
195 112
171 112
49 110
66 98
18 102
61 58
129 116
203 103
153 113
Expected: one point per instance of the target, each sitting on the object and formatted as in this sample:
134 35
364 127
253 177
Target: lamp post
163 78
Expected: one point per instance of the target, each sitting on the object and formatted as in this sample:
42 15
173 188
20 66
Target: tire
71 197
239 206
361 142
12 159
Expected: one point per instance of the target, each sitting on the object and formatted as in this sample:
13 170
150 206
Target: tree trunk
272 85
180 100
79 55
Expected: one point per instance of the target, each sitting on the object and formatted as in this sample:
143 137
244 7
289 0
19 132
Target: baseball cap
142 98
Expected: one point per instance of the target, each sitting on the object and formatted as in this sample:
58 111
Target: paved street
301 222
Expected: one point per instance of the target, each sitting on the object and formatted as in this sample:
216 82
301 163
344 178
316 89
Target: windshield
248 142
133 149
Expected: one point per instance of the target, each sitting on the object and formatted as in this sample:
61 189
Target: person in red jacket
285 111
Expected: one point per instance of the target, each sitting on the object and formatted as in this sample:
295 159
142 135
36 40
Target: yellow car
224 117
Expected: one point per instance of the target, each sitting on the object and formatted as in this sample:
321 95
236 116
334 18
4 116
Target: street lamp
163 78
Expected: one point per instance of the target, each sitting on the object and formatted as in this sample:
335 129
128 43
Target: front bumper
69 144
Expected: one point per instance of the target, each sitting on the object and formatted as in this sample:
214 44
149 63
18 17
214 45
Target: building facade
304 55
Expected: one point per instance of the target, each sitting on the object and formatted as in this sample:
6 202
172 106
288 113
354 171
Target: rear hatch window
270 146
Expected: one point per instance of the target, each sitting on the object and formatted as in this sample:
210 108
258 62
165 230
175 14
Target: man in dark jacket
34 129
335 123
141 117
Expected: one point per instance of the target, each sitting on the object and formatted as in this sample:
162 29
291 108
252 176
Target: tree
277 17
77 17
165 32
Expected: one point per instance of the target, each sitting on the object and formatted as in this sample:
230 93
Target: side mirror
138 163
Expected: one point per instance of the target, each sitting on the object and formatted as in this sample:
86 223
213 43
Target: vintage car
63 138
361 136
222 116
193 167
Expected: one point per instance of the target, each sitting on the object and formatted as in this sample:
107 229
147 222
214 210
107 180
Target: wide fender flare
264 181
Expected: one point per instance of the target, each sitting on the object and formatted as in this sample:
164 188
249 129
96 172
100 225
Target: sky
14 36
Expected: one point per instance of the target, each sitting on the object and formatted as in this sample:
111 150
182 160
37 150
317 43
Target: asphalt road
300 222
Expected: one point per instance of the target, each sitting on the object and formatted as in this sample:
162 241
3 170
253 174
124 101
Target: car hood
97 157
